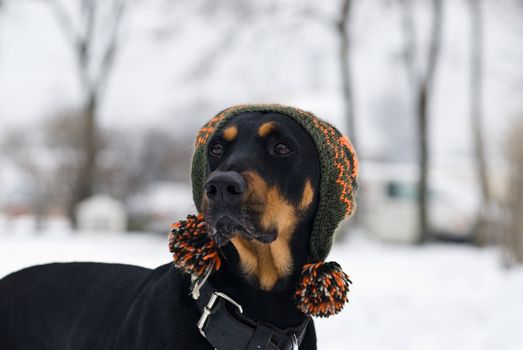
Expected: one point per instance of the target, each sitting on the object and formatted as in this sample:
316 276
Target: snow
403 297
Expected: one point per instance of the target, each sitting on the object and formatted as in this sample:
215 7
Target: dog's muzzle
224 191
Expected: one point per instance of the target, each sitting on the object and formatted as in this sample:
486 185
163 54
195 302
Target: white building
388 200
101 212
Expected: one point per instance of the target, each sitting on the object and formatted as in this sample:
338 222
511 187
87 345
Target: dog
260 197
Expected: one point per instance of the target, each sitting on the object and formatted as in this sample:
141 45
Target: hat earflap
322 289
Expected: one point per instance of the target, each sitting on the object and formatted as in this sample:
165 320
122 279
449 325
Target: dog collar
225 327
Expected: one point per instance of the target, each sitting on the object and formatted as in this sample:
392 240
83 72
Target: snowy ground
435 297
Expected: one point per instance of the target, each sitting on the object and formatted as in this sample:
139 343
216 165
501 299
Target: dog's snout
225 187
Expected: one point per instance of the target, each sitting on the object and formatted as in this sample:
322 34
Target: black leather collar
225 328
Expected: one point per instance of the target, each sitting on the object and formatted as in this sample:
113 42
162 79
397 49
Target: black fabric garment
86 306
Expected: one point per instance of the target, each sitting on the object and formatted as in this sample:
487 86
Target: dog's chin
223 229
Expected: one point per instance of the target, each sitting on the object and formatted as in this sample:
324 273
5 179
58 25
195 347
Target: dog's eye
281 149
217 149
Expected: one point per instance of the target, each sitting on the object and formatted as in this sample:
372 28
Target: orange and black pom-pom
193 251
322 289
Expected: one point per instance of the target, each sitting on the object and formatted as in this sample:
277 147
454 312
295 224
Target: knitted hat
323 287
339 168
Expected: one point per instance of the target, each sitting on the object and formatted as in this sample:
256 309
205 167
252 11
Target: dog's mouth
225 225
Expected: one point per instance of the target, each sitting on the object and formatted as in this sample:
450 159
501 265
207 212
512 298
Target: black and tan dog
259 200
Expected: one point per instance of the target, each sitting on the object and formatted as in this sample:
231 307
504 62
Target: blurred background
100 101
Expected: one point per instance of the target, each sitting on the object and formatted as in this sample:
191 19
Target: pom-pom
193 251
322 289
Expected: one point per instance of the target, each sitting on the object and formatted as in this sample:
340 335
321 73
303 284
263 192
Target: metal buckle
208 308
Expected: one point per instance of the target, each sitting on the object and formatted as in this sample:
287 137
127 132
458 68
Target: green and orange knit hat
338 177
322 290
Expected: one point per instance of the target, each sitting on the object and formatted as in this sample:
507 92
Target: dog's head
275 181
263 175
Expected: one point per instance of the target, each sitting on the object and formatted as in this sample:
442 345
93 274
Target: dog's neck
263 263
266 289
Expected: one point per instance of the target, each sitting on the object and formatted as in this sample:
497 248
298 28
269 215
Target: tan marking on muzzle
230 133
307 196
268 262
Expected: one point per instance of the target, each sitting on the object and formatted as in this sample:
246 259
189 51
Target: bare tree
133 161
344 36
342 30
95 51
38 173
15 147
244 17
422 80
476 111
512 240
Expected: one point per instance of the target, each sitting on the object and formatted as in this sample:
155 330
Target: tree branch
110 50
409 33
78 41
64 21
435 43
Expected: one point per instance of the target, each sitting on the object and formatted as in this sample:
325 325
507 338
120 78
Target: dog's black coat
91 306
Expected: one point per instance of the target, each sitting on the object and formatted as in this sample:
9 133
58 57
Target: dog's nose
225 187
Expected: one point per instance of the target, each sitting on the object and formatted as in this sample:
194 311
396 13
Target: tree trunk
512 239
516 219
422 111
422 108
345 68
93 87
84 185
476 115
